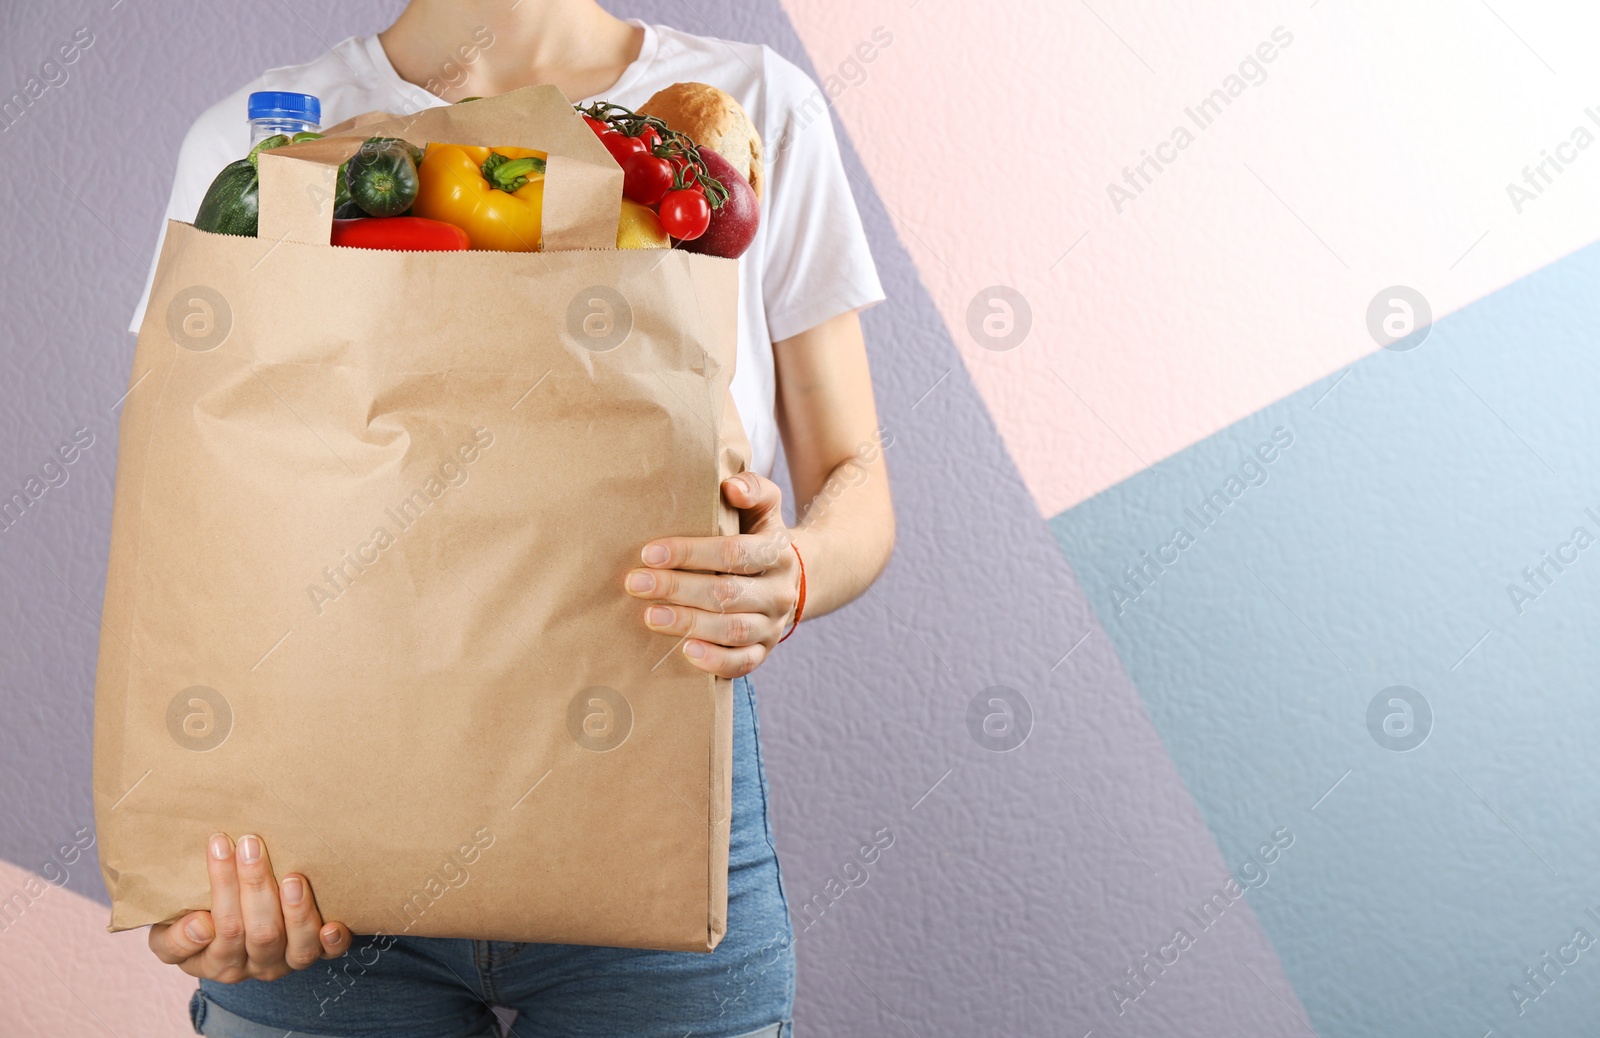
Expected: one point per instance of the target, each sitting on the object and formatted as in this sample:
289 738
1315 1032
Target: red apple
733 226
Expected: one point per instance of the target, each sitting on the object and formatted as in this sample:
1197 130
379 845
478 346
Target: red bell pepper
400 233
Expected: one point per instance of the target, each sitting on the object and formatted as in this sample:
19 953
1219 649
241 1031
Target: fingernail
658 616
294 890
639 581
197 930
221 847
249 850
694 650
331 936
655 554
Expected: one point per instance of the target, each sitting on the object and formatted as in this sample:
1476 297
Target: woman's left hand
728 598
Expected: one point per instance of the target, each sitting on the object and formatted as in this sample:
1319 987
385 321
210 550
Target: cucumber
382 176
410 149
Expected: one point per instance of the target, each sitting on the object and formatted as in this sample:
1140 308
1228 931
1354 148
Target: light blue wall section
1376 551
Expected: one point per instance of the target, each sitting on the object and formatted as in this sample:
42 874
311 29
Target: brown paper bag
373 512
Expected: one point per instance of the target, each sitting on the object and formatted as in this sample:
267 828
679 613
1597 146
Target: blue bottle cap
281 104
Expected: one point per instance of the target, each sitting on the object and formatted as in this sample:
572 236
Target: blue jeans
428 987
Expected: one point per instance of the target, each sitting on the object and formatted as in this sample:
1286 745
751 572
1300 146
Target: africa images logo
1252 71
1140 578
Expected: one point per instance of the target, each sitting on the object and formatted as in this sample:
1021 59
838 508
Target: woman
802 374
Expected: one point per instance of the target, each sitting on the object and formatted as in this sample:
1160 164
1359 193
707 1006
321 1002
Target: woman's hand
728 598
257 929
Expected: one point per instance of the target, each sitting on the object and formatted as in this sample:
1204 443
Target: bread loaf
712 119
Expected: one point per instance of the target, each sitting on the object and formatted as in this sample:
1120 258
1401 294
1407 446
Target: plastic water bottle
279 111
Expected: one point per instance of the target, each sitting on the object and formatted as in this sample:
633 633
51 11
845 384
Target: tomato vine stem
688 172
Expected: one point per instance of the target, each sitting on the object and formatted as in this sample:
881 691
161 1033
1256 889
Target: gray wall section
1016 890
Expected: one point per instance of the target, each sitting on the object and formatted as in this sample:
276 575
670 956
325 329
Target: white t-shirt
809 261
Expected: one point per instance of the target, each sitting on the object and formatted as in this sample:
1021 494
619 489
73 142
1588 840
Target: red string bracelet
800 604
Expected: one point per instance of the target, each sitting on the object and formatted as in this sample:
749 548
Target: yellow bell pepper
497 201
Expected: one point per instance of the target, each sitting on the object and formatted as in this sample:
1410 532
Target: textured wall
1167 332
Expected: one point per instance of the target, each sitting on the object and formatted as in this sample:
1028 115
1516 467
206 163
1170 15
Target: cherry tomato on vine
646 178
685 214
682 165
599 126
621 147
650 137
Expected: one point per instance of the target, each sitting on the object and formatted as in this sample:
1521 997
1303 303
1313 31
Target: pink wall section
1376 151
72 978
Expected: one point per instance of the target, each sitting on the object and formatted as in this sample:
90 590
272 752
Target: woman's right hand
257 929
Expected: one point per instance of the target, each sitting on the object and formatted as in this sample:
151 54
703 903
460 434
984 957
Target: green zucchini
232 204
277 140
382 176
387 171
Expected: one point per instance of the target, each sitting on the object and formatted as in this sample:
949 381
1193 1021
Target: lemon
640 228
